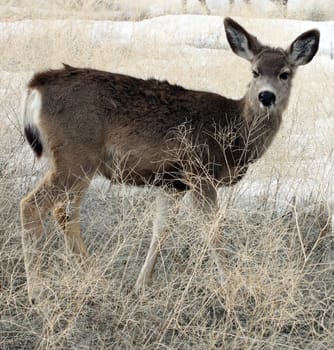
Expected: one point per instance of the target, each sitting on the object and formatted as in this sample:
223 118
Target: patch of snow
197 31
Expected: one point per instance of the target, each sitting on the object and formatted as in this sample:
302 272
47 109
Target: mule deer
84 119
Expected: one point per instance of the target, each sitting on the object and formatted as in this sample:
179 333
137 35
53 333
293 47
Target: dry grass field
275 226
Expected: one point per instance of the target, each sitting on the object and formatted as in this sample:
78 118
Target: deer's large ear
242 43
303 49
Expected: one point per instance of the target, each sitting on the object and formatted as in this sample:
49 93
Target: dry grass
278 239
138 10
278 293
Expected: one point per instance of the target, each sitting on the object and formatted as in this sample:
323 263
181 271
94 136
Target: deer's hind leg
34 207
67 214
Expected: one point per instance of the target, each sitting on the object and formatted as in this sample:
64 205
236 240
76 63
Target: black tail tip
32 136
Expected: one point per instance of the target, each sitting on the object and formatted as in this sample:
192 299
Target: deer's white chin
271 108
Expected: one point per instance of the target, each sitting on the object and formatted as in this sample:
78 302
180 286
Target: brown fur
141 132
110 111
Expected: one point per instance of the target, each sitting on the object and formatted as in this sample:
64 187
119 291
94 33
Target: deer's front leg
206 206
159 234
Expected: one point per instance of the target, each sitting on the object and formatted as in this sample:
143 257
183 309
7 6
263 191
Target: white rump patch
32 104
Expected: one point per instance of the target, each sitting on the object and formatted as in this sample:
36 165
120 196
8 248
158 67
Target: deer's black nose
267 98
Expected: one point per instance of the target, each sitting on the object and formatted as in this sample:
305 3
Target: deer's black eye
255 74
284 75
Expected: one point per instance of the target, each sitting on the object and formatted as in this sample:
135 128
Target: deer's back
109 115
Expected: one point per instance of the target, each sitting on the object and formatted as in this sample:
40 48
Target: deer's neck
259 127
